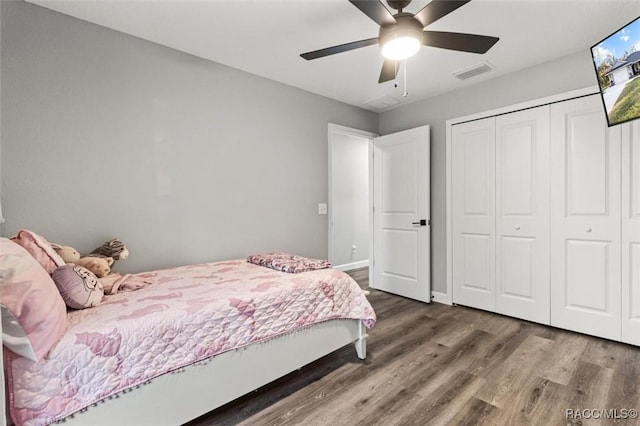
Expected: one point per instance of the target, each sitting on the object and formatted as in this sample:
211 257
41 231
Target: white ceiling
265 37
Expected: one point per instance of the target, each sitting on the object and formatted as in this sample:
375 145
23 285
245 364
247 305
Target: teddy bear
67 253
100 266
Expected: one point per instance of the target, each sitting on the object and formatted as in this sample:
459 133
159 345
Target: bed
197 337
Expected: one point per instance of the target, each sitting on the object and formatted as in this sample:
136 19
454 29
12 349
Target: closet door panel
473 203
631 233
585 219
522 214
516 271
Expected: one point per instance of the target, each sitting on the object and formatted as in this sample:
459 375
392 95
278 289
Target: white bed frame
176 398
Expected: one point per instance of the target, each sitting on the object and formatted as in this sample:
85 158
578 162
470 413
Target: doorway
379 211
349 197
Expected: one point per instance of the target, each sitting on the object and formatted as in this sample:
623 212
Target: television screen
617 63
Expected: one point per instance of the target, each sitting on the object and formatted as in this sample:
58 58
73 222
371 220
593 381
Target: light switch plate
322 208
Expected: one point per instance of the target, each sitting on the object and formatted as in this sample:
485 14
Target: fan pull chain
404 66
395 67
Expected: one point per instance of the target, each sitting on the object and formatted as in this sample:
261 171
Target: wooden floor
439 364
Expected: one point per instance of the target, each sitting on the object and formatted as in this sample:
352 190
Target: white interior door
473 207
522 214
631 233
585 219
401 217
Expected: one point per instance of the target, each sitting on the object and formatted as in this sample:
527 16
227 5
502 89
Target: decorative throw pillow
286 262
34 316
78 286
40 249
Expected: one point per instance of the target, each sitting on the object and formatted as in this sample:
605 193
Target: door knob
588 229
422 222
517 227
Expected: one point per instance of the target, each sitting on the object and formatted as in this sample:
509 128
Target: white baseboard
353 265
441 298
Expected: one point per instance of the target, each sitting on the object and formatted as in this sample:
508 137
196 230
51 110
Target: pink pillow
78 286
34 316
40 249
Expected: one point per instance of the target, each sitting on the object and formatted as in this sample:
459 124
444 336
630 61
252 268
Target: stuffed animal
113 249
100 266
67 253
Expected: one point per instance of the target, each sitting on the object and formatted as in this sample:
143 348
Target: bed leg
361 343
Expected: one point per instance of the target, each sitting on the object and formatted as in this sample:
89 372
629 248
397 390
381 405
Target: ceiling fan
401 35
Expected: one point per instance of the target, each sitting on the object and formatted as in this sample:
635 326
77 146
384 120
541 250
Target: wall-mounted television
616 59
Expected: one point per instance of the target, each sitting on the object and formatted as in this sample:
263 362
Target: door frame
333 129
447 298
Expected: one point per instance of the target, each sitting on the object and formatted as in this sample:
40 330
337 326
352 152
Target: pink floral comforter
187 315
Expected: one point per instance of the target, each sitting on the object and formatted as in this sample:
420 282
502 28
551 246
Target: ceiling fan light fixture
401 40
400 48
401 34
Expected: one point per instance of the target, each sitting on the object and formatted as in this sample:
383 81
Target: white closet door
473 204
631 233
522 214
585 219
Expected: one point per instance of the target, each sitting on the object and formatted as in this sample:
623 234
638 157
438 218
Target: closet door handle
422 222
588 229
517 227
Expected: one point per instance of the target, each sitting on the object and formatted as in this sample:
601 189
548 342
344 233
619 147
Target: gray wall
185 160
562 75
350 196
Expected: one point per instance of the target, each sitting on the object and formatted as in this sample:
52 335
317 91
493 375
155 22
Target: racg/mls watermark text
601 413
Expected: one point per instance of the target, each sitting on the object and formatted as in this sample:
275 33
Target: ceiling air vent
480 68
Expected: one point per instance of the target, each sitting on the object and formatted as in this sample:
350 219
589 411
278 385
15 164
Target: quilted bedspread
187 315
